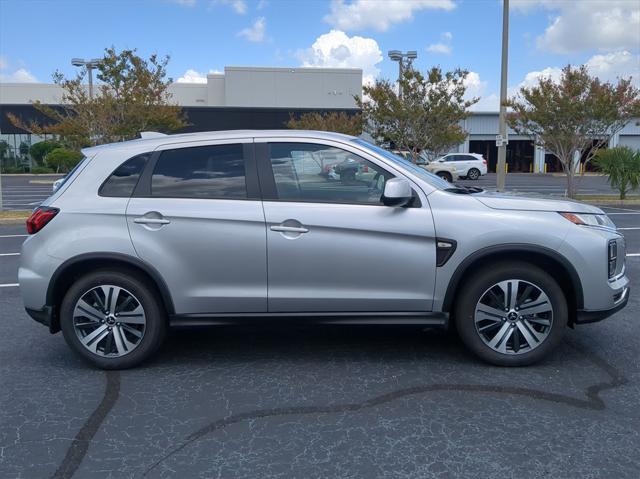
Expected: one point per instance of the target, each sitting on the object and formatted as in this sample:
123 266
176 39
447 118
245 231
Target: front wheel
473 174
445 176
514 314
113 319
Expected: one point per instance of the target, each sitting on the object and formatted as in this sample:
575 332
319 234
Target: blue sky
38 37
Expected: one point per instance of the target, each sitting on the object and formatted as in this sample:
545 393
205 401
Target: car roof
154 141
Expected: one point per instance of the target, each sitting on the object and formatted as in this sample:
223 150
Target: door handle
151 221
289 229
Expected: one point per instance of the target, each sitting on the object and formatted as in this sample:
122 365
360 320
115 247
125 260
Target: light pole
89 65
400 57
502 143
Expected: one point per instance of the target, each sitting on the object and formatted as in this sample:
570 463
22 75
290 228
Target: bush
41 170
12 169
39 150
62 159
622 165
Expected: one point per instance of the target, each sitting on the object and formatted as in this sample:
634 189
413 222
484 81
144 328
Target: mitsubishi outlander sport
215 228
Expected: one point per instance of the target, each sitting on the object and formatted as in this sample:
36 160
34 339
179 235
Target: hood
505 201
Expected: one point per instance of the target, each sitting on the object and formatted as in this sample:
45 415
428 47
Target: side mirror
397 192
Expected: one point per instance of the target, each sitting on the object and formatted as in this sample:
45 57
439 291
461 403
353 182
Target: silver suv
214 228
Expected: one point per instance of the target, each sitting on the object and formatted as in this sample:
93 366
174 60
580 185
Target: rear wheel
445 176
473 174
113 319
511 315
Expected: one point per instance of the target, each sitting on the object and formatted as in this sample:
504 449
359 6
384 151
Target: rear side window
122 181
216 171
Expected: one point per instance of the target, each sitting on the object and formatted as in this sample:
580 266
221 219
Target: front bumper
583 317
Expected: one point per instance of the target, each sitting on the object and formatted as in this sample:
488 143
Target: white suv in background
468 165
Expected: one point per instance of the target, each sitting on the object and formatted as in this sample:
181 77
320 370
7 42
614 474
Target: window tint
122 181
216 171
319 173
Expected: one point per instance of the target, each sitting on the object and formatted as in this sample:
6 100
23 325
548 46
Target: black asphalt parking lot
320 402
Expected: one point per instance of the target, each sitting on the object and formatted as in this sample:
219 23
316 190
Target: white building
265 98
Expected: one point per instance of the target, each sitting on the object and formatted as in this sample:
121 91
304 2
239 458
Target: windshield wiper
464 190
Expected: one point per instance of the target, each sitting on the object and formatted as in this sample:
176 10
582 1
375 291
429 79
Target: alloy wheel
109 321
513 316
473 174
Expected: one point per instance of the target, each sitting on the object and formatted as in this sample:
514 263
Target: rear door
332 245
196 216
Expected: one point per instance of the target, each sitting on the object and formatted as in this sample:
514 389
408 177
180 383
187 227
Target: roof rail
151 134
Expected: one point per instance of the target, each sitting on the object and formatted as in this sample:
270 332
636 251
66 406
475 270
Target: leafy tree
62 159
339 122
573 117
131 97
426 117
39 150
622 165
4 149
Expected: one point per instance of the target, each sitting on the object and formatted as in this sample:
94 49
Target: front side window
123 180
216 171
324 174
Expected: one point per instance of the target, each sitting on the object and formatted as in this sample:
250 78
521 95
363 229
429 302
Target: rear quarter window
124 179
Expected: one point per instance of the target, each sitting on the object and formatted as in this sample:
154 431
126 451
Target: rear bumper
583 317
44 316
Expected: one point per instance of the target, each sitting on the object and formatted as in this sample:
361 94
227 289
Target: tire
473 174
135 328
506 340
445 176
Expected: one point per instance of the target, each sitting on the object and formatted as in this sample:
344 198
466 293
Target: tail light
484 161
39 218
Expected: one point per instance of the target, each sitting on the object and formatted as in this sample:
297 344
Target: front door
198 219
332 246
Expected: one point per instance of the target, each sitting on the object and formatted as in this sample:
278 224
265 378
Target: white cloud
336 49
262 4
378 15
531 78
256 32
194 76
239 6
184 3
444 46
582 25
439 48
621 64
21 75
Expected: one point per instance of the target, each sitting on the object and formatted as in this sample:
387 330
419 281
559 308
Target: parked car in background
234 226
445 171
468 165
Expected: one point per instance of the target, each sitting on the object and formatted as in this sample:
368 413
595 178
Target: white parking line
633 254
636 213
9 285
22 236
9 254
631 228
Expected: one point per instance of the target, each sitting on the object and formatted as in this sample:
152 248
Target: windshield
423 174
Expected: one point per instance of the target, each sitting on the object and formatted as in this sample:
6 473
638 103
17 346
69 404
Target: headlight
587 219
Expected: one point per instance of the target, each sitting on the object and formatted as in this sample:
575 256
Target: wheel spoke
111 294
133 317
510 290
89 311
131 330
536 308
529 334
483 308
92 339
117 337
500 335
